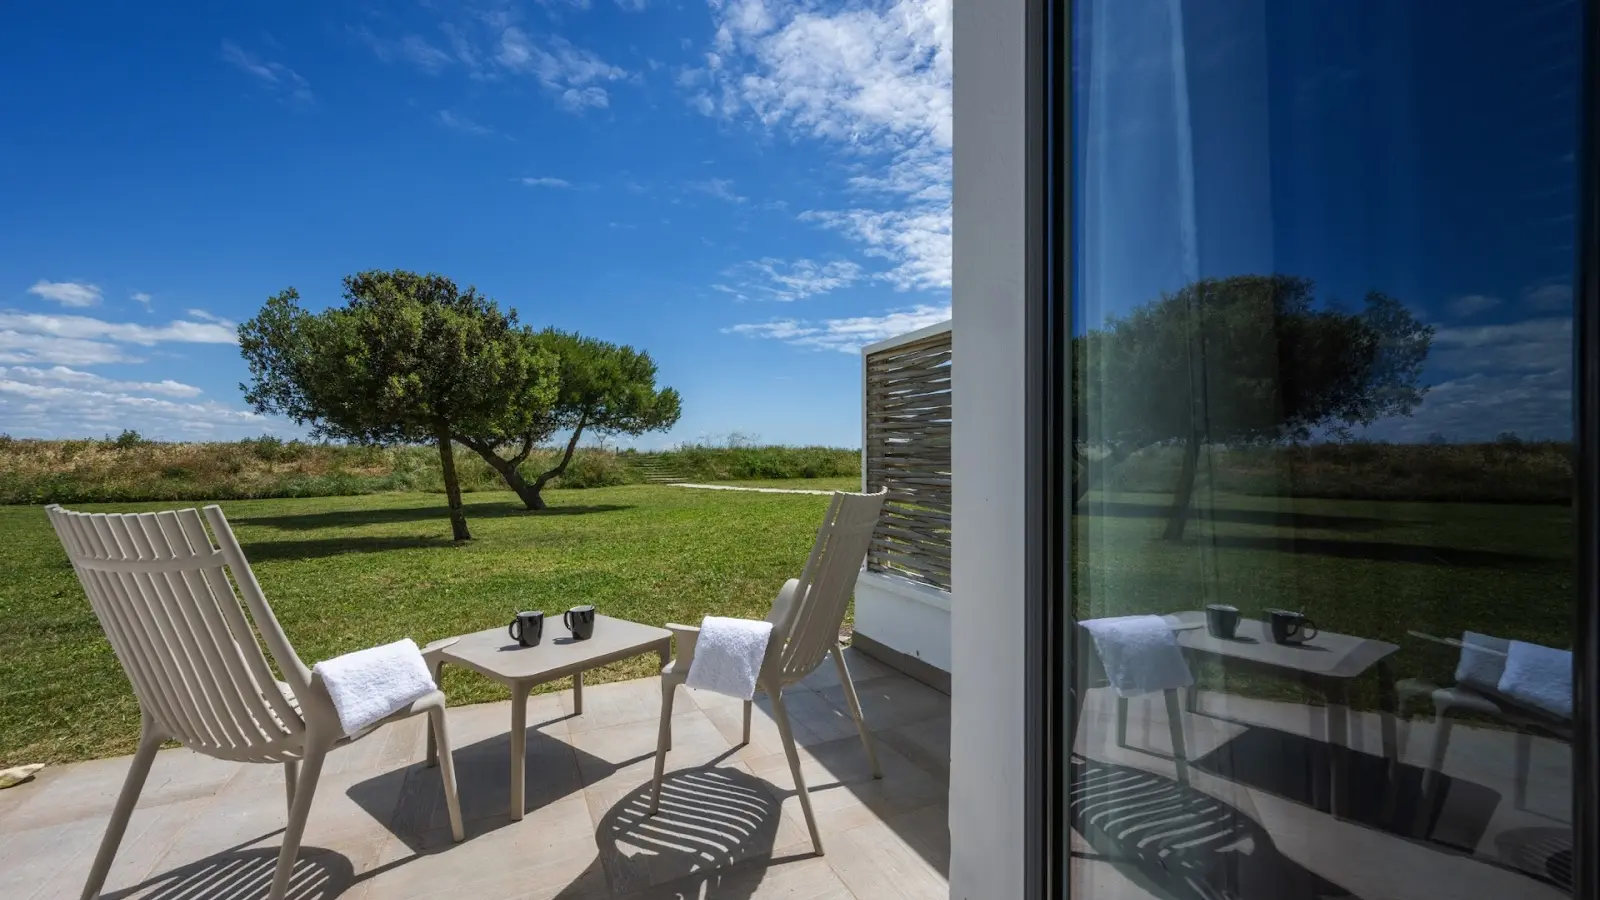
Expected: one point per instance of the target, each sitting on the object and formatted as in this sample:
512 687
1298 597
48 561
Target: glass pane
1322 529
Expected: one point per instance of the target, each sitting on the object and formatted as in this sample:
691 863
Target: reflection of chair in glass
161 590
1476 692
805 628
1125 681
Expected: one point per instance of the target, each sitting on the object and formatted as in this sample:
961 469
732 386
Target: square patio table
495 655
1328 664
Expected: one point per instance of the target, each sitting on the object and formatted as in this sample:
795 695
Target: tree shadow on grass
1381 551
1275 518
264 551
345 518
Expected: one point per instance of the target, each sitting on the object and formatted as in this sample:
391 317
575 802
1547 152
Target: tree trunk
452 486
511 472
1178 516
537 500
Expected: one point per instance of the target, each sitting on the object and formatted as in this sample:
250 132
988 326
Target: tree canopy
409 358
1247 359
604 389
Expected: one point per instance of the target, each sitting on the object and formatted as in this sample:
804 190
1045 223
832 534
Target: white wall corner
989 457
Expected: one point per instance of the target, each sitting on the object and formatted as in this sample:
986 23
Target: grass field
345 573
846 483
350 572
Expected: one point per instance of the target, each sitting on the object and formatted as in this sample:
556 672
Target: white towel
1139 654
1483 661
728 655
1540 677
368 685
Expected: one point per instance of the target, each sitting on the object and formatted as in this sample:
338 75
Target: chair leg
663 744
138 771
1436 754
1524 763
855 711
447 770
781 714
304 790
291 772
1180 750
748 706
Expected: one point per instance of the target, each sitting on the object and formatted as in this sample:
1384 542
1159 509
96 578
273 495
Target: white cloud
283 82
411 48
61 375
775 279
67 293
874 80
462 124
1472 304
720 188
204 316
571 74
20 347
40 407
847 335
1548 295
141 298
217 331
547 182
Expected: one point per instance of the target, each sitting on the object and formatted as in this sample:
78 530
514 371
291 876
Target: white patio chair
161 590
805 621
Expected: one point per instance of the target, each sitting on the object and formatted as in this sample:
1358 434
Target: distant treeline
129 468
1507 470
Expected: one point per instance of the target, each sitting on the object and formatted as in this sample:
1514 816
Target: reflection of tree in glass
1244 360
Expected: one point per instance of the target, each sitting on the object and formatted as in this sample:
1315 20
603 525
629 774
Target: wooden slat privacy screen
907 439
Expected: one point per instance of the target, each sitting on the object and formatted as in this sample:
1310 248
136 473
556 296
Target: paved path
753 490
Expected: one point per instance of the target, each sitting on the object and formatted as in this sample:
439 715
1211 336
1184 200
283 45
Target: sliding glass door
1323 579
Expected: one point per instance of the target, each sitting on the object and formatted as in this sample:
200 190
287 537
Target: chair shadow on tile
319 874
713 837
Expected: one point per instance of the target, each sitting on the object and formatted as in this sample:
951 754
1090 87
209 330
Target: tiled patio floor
730 825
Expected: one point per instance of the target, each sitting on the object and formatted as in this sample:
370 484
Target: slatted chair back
810 623
161 588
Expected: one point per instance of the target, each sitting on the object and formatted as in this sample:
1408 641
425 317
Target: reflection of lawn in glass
1362 567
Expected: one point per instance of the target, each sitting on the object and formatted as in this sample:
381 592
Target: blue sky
748 190
1423 150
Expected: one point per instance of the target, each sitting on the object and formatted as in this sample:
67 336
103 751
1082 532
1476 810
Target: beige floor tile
863 668
804 878
842 765
616 703
873 861
54 861
626 753
892 701
926 743
62 794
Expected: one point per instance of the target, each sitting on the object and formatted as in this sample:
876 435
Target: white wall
905 616
987 653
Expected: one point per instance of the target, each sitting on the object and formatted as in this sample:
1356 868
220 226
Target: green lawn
343 573
845 483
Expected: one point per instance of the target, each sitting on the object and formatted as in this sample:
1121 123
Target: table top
1329 654
494 654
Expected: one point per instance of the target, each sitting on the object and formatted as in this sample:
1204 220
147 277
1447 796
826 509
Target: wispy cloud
1472 304
281 81
204 316
89 380
1548 295
547 182
846 335
873 81
412 48
141 298
67 293
573 75
720 188
462 124
64 402
775 279
212 330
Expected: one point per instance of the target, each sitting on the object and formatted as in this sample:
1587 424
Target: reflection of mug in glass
1222 620
1290 627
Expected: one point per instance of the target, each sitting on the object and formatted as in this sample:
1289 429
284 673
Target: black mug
580 621
1222 620
1290 627
527 628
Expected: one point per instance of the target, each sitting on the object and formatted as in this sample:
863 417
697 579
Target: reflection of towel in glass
1483 661
1540 677
1139 653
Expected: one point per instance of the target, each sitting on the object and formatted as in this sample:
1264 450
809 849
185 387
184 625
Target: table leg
433 745
1338 707
577 694
519 747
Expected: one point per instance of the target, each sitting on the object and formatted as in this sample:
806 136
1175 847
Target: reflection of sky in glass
1423 150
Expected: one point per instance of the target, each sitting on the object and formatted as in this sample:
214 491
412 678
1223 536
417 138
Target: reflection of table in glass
495 655
1327 664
